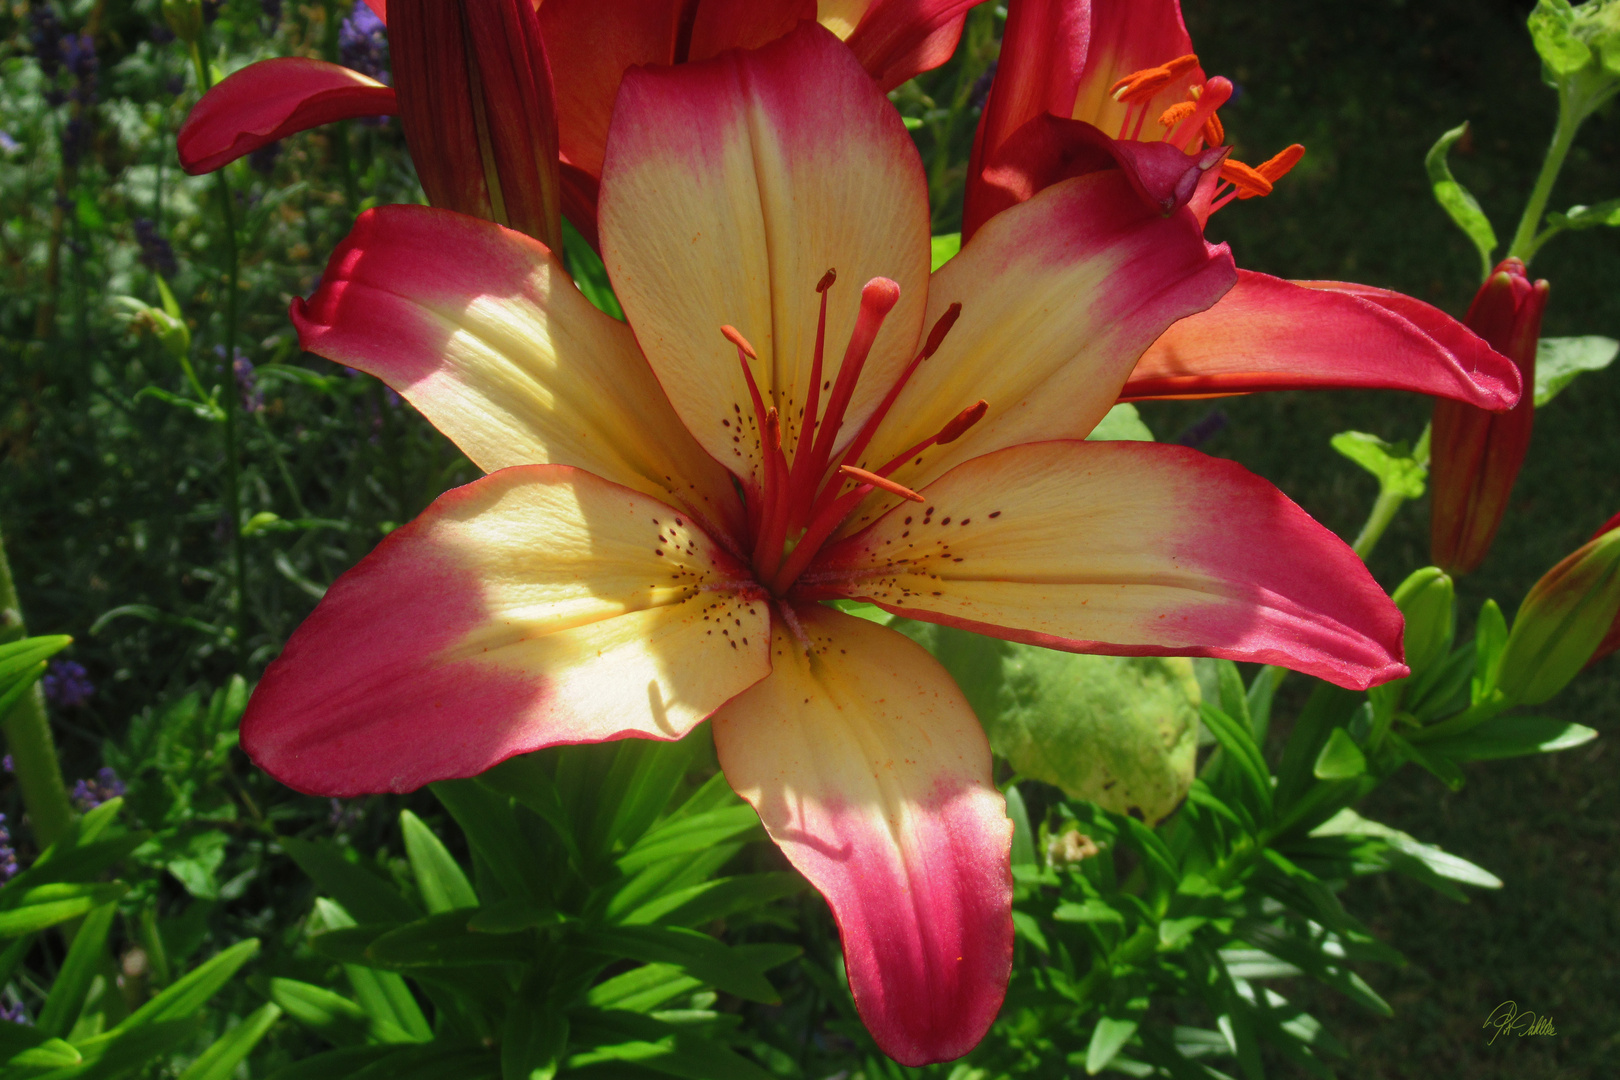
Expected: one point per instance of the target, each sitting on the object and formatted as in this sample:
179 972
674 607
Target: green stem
233 463
1385 506
1569 121
28 734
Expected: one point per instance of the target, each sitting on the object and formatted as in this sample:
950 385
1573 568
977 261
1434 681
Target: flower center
801 501
1193 124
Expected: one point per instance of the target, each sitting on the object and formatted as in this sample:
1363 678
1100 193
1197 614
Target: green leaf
1122 423
652 1044
697 954
642 989
1396 470
1512 736
1559 360
17 658
363 893
128 1048
47 1054
1112 1031
1457 201
331 1015
1453 867
716 899
1441 767
1091 910
73 979
220 1060
1341 758
444 887
493 833
47 905
682 837
1490 640
191 991
383 994
1552 29
945 248
443 940
1120 731
534 1036
1023 842
1241 754
589 273
341 1064
1587 217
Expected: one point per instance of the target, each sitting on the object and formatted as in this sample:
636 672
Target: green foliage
568 942
1457 201
1559 360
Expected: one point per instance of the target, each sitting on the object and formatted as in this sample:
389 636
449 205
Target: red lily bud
1475 454
476 100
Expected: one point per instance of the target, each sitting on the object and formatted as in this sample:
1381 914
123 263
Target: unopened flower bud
475 98
185 18
172 333
1564 619
1425 598
1475 455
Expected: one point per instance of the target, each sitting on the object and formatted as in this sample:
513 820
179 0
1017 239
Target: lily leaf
1457 201
1552 29
1122 422
1559 360
945 249
1397 470
1587 217
1120 731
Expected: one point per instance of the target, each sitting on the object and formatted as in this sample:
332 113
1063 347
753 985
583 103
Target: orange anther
1142 85
1176 113
1248 181
1214 131
1277 167
877 481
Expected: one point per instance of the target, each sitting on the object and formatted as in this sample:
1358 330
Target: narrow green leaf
364 894
634 1039
1091 910
48 905
220 1060
1110 1035
192 990
443 940
682 837
1512 736
49 1054
1023 842
1490 640
945 248
73 979
1560 360
534 1036
383 994
1341 758
698 954
716 899
1122 423
1441 767
642 989
444 887
494 835
1457 201
331 1015
1242 755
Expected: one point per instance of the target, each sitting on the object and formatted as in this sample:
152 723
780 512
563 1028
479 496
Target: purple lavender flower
89 794
79 56
344 816
247 380
363 43
1213 423
66 684
15 1013
8 856
8 144
10 766
156 253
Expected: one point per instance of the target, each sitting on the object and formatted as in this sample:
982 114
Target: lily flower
1475 455
591 44
796 412
1079 85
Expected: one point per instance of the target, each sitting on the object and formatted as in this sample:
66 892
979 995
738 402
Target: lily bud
1566 617
184 18
170 331
1425 598
1475 455
476 101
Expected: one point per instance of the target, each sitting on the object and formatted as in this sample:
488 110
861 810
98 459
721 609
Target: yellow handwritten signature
1507 1018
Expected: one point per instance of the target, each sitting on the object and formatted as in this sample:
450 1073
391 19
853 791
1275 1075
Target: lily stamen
874 480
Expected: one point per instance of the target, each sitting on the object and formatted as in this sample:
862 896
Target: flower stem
1385 506
28 734
1525 241
233 465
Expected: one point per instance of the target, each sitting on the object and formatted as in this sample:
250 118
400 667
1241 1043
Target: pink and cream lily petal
764 221
270 100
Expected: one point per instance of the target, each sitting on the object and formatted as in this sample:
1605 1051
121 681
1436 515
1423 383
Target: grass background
1367 88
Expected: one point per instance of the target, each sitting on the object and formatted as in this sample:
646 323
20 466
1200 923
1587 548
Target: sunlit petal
539 605
870 772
